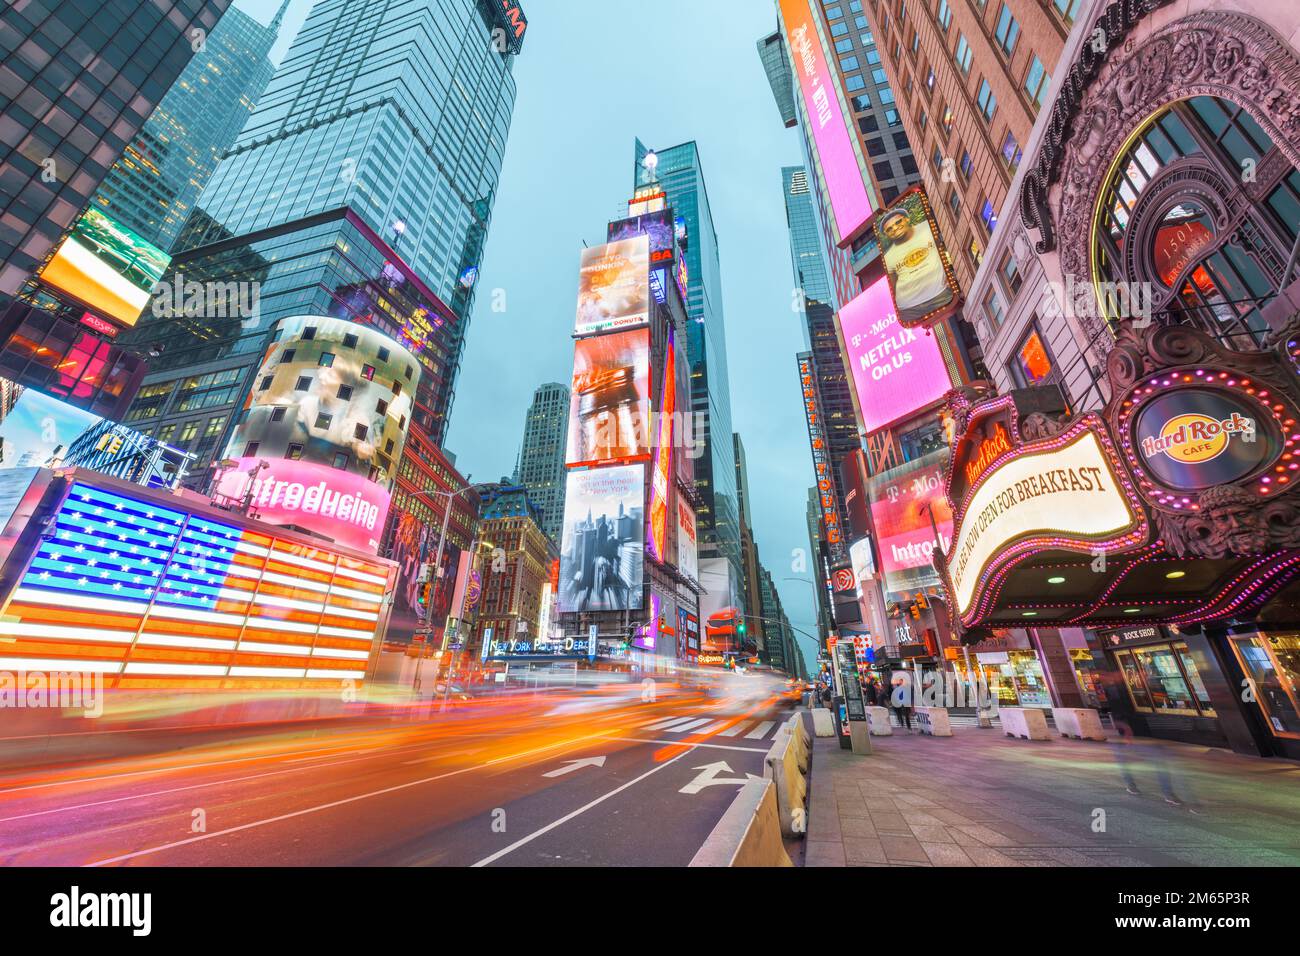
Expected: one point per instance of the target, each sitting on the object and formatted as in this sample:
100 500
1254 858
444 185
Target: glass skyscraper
360 188
78 82
541 458
153 187
681 175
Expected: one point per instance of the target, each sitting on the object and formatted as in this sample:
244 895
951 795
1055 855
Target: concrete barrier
781 766
823 723
878 718
800 741
1082 723
1028 723
933 721
749 833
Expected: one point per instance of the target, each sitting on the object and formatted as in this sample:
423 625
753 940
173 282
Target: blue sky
593 76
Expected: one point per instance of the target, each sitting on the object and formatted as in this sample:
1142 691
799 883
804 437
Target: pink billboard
908 505
850 198
344 507
896 370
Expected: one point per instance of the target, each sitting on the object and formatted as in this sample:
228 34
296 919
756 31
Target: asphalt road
582 777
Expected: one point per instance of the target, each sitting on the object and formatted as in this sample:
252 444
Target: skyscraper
541 458
72 95
680 173
361 188
153 187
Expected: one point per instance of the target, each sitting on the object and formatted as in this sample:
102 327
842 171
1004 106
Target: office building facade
541 457
77 83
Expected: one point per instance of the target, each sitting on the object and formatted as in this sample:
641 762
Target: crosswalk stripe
732 731
712 728
682 728
665 724
761 730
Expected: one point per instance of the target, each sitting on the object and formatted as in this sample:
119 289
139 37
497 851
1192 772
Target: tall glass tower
541 458
153 187
681 174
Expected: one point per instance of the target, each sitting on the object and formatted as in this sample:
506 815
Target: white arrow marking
709 778
573 765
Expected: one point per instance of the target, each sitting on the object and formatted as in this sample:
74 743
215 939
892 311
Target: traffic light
740 629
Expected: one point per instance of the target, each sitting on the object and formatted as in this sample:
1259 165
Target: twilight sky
593 76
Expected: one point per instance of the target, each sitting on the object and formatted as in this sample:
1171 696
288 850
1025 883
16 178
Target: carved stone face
1236 524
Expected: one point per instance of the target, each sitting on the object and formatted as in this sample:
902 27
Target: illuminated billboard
917 265
661 474
614 286
193 600
40 431
903 502
660 227
602 557
330 392
415 545
343 507
897 371
687 555
609 409
107 267
851 200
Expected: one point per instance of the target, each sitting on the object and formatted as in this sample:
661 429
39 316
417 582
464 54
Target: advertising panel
687 555
614 286
346 508
603 553
1190 439
415 544
688 635
609 411
864 562
917 265
330 392
659 226
901 500
40 431
661 474
194 598
851 199
1067 492
897 371
107 267
831 529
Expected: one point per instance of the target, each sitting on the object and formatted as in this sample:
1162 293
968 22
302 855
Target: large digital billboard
688 561
614 286
903 503
660 227
107 267
344 507
609 409
916 262
192 599
415 545
661 473
851 199
330 392
602 558
897 371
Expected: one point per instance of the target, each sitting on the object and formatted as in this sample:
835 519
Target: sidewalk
981 799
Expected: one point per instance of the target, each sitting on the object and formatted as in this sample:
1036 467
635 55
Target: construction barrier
749 833
878 721
1028 723
785 765
1082 723
933 721
802 742
823 724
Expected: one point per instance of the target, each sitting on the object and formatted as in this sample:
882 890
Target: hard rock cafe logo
1194 439
998 443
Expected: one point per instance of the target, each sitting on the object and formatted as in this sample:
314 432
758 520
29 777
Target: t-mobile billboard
851 200
896 371
903 501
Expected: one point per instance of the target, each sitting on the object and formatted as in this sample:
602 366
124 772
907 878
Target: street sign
593 633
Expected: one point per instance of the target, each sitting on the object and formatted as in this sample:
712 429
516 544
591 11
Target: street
559 778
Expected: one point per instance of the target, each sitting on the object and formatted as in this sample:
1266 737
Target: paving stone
902 849
824 854
859 850
945 854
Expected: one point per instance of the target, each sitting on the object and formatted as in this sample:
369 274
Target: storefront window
1133 679
1194 677
1085 671
1164 679
1025 674
1272 662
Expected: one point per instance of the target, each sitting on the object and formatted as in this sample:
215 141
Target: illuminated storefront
156 592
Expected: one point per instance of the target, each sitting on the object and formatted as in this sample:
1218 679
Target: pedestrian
902 700
872 692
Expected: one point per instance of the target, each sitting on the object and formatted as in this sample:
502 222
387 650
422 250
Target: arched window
1203 210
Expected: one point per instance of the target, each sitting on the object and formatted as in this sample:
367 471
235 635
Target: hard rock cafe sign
1094 518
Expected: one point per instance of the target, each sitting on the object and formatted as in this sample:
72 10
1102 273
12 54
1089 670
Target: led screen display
609 408
602 557
107 266
897 371
614 286
916 263
661 474
901 503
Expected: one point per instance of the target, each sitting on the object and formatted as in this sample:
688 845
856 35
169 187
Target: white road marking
576 813
331 805
678 743
759 732
690 724
732 731
665 724
712 728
